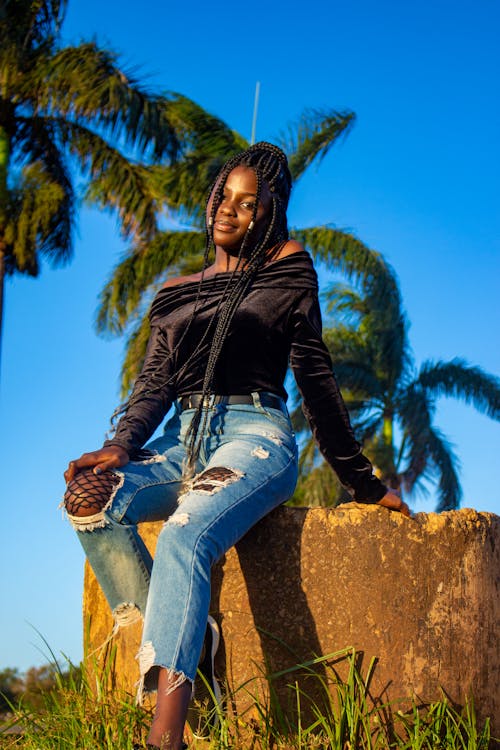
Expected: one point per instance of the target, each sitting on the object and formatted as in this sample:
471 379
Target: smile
224 226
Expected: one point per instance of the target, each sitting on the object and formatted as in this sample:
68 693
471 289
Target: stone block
420 595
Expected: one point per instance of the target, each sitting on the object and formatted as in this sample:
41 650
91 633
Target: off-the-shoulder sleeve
151 397
323 404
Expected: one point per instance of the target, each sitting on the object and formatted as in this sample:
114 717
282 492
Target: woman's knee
89 493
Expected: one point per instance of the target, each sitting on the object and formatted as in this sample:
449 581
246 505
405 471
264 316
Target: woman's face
235 211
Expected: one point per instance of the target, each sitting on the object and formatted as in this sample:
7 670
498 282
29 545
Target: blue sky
416 179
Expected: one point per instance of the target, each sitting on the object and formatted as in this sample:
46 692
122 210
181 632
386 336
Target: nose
227 207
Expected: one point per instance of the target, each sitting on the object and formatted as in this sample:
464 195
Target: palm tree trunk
388 431
391 474
4 163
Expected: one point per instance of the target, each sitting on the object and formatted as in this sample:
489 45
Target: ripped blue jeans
247 467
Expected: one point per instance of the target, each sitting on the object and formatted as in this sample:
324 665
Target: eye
248 204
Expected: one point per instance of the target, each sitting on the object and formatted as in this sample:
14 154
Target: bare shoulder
181 280
290 248
193 277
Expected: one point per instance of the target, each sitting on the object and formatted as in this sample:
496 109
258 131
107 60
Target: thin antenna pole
255 109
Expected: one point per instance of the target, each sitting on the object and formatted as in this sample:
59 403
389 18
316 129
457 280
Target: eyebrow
252 195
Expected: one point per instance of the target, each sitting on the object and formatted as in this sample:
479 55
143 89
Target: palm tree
68 113
392 403
370 346
184 186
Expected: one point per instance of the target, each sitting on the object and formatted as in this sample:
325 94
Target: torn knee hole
214 478
126 614
88 493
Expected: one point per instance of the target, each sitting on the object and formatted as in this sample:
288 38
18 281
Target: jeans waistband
261 398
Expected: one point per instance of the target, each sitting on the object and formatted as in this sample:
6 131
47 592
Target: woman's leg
251 468
105 510
167 728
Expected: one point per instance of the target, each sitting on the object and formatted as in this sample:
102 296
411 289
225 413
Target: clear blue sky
416 179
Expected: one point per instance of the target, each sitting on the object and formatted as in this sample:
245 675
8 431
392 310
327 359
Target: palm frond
415 411
427 450
115 181
463 381
38 221
366 428
31 25
359 379
299 421
343 252
344 300
36 142
346 344
373 306
318 484
349 345
184 186
320 487
355 362
388 337
84 84
207 144
445 463
312 137
308 455
145 265
201 132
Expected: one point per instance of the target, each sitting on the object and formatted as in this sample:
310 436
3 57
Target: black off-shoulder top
278 323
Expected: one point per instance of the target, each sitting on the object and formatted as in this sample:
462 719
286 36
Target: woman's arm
150 400
325 409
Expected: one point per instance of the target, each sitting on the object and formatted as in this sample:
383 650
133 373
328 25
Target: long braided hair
271 167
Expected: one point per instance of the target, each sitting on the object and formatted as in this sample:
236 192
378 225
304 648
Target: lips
224 226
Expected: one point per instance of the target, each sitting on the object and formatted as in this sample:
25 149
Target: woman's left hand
393 501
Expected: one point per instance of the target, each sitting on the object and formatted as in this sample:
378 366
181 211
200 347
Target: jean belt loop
257 402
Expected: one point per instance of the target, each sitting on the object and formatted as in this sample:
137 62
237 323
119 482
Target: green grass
308 707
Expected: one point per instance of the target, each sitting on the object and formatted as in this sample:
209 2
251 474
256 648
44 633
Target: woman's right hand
111 457
393 501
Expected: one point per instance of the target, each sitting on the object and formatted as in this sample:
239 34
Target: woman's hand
393 501
111 457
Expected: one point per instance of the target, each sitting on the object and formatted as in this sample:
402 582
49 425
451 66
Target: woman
220 344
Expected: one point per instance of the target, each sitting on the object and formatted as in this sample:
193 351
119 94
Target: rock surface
420 595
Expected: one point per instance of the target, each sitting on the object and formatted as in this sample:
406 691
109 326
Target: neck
225 262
